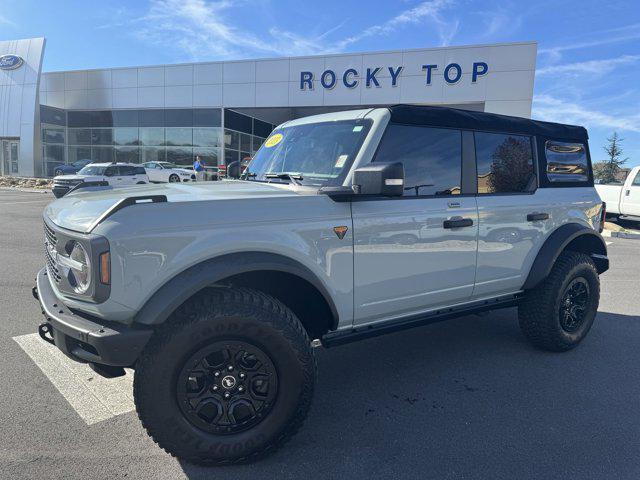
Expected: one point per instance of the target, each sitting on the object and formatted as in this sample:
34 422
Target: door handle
457 223
534 217
627 193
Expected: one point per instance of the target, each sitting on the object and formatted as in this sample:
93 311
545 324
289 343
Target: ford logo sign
10 62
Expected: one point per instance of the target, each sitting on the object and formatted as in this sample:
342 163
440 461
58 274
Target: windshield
316 153
169 165
91 170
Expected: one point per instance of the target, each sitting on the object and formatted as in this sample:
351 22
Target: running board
341 337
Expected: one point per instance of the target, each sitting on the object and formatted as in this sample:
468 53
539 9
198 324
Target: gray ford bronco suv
344 226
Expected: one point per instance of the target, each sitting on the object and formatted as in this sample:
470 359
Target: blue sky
588 69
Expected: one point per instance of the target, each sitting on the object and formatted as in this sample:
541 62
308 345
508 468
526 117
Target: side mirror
386 179
233 169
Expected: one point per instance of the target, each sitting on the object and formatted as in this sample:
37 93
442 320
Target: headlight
80 268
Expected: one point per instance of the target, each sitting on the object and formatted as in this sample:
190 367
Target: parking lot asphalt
468 398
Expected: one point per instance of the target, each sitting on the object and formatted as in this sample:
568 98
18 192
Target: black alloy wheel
574 304
227 387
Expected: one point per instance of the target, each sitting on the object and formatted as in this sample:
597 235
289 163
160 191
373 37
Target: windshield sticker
357 128
273 140
341 160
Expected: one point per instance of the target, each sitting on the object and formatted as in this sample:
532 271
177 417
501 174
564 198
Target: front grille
67 183
50 243
50 235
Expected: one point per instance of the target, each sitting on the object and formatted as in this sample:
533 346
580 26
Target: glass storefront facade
138 136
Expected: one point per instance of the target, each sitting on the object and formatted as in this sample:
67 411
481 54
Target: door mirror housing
385 179
233 169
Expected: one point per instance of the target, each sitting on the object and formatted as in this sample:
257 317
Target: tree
607 170
512 166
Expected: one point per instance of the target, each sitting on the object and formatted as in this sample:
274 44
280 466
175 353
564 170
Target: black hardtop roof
491 122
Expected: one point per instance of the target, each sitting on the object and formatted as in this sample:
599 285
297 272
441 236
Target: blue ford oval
10 62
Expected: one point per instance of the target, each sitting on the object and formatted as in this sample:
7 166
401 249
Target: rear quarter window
566 162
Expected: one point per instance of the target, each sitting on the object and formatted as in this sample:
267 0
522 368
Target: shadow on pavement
468 398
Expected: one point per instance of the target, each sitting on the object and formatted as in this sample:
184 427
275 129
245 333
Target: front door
9 151
408 255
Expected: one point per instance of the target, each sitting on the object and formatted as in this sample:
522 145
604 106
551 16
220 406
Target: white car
163 172
623 199
115 174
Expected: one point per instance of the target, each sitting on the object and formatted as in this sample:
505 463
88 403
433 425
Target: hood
79 210
70 177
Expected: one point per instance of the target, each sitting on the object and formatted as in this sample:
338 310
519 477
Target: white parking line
94 398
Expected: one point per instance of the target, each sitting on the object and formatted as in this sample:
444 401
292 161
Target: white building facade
223 111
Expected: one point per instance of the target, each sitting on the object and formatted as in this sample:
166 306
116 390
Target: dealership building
223 111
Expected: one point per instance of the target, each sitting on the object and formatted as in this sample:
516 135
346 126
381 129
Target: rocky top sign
351 77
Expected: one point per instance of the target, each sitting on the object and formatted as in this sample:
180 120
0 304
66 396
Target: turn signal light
105 268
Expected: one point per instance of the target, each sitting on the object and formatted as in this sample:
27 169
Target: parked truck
623 199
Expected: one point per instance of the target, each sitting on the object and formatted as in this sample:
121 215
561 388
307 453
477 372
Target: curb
24 190
630 236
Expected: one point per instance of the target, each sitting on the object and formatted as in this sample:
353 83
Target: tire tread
243 301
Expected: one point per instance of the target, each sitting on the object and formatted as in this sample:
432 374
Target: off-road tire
221 314
539 312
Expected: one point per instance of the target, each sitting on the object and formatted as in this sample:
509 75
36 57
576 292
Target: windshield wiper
294 177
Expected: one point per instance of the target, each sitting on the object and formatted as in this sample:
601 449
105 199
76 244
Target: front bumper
60 190
84 338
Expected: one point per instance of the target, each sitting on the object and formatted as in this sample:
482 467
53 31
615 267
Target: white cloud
501 22
5 21
624 34
430 10
553 109
598 67
205 29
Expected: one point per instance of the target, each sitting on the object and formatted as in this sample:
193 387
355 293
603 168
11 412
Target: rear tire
236 342
57 173
558 313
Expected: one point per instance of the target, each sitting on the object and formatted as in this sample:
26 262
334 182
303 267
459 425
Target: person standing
199 166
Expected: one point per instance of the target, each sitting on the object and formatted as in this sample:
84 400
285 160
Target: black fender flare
585 240
190 281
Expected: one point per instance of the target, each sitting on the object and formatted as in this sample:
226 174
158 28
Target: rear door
406 259
631 196
513 214
112 175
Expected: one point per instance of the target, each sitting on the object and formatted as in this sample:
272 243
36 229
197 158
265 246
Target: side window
504 163
432 158
636 181
110 171
126 170
566 162
139 171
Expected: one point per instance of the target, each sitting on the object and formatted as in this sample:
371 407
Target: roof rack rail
126 202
